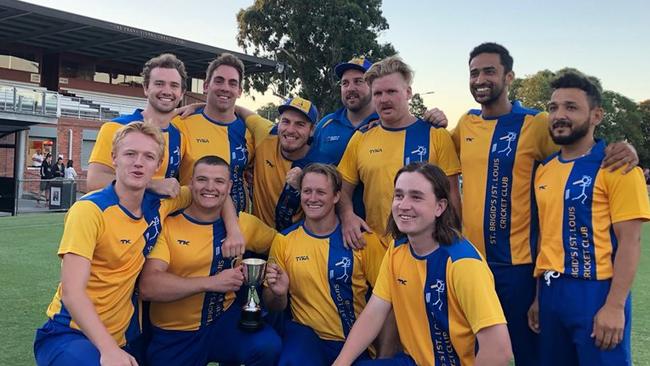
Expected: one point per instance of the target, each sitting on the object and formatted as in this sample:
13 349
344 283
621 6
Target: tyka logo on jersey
183 242
302 258
202 140
125 241
375 150
401 281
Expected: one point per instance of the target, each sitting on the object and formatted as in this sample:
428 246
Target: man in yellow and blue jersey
499 147
107 234
437 283
217 130
164 82
590 226
325 281
286 149
192 286
372 157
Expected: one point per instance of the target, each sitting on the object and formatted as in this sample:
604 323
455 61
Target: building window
38 148
86 149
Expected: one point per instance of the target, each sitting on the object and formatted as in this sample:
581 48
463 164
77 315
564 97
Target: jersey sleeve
257 235
628 195
104 144
373 255
455 137
259 127
446 157
278 251
179 202
82 229
545 143
384 278
348 166
161 249
473 285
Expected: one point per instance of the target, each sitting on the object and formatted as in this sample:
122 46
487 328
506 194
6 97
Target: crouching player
325 281
191 285
438 284
106 236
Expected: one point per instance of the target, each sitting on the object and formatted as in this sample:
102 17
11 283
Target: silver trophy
254 273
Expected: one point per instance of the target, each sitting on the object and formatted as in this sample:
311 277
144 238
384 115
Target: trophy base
251 321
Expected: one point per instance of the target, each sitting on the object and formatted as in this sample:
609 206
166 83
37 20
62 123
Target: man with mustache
590 226
499 147
374 156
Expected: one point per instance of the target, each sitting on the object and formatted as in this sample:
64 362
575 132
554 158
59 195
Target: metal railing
25 100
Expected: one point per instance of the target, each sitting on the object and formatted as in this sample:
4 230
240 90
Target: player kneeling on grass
105 239
438 284
191 285
325 281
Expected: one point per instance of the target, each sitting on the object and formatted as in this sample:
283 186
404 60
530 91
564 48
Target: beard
363 102
578 131
493 97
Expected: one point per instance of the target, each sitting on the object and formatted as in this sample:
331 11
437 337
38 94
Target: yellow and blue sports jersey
229 141
115 242
440 300
498 157
374 156
277 204
193 249
327 282
174 145
333 133
578 203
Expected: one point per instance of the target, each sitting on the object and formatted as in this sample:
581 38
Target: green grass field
29 269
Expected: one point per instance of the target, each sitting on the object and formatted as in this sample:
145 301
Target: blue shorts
515 286
302 346
58 344
222 341
567 307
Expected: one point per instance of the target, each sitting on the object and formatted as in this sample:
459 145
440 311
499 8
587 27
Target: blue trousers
567 307
515 287
222 341
59 345
302 346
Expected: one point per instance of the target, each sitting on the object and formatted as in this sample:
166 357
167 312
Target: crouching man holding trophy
192 286
326 281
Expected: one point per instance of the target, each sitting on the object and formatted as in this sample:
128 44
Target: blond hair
145 128
387 66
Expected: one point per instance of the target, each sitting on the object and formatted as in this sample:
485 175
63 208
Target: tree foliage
269 111
623 120
416 105
310 37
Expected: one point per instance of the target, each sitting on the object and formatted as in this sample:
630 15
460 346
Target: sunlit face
355 92
317 196
165 89
415 207
294 130
223 89
390 96
488 80
136 159
210 186
571 118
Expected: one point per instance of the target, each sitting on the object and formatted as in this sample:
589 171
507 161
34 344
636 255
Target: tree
269 111
416 105
533 91
644 154
310 38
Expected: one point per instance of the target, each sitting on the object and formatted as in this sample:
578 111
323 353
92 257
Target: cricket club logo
151 234
342 268
507 139
583 183
417 155
174 160
239 154
436 291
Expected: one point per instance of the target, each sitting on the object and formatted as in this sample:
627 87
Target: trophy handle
236 262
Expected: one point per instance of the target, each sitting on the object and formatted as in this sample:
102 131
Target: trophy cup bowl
254 272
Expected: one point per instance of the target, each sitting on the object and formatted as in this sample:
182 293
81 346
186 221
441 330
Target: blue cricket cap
358 63
301 105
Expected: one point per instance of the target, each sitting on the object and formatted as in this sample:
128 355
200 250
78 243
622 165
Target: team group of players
360 215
